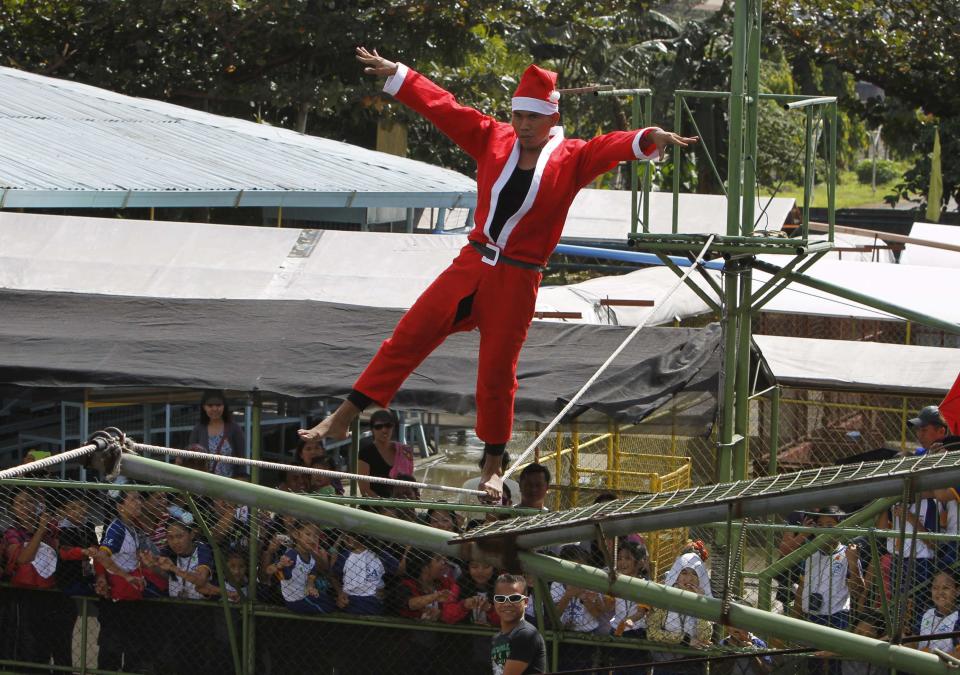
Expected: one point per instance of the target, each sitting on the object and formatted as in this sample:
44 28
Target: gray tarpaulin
307 349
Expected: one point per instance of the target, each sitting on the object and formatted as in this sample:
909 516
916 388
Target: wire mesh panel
821 428
142 578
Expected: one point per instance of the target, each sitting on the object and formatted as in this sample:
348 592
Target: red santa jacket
564 167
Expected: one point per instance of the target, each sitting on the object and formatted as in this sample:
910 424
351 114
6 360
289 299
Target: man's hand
663 138
375 64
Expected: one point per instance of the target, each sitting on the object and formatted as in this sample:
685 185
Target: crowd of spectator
139 543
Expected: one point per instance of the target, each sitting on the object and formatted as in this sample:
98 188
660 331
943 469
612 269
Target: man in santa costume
527 176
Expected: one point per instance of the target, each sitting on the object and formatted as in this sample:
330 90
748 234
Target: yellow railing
623 469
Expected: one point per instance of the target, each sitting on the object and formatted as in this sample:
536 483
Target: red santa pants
499 300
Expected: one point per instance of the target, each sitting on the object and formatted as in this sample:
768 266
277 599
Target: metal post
647 167
808 166
677 161
634 212
742 396
254 440
774 449
354 455
610 455
752 105
735 143
221 580
728 375
167 423
575 461
832 169
84 613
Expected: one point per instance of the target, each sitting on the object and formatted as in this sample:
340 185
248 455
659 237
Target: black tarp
312 349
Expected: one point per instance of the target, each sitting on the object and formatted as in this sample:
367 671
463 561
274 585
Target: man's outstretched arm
465 126
601 154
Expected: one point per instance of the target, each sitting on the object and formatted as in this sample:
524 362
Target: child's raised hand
342 600
313 592
92 552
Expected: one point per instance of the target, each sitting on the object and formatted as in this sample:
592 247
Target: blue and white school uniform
575 616
293 585
934 623
362 579
202 556
825 576
624 609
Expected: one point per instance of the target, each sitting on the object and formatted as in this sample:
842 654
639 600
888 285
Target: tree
910 48
276 62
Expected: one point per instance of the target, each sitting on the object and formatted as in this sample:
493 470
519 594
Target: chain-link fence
821 428
140 578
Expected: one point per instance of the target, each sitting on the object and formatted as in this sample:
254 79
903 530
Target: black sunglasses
380 425
513 597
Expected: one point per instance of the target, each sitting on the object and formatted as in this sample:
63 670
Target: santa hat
537 91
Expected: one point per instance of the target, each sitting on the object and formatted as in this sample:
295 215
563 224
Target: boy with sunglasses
518 648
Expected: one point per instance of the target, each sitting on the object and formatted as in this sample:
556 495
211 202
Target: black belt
492 255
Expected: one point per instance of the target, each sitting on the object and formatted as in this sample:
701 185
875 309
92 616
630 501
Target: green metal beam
762 622
702 294
867 513
844 530
863 299
758 303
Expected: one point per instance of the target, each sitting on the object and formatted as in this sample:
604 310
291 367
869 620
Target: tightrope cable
227 459
623 345
67 456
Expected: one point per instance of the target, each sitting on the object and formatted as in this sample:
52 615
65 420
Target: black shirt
510 199
378 466
524 644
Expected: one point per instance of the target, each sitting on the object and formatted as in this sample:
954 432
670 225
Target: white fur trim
554 96
556 137
395 81
636 146
533 105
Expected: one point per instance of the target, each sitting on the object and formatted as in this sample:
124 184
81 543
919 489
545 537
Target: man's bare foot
490 479
326 429
335 426
493 486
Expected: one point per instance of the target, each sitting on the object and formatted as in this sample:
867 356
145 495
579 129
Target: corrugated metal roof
64 144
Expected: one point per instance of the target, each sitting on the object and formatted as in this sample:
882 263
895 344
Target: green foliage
287 63
886 171
910 48
779 145
916 180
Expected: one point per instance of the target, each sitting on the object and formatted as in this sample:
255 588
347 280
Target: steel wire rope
606 364
60 458
226 459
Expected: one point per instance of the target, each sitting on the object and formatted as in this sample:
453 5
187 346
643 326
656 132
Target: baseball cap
928 416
